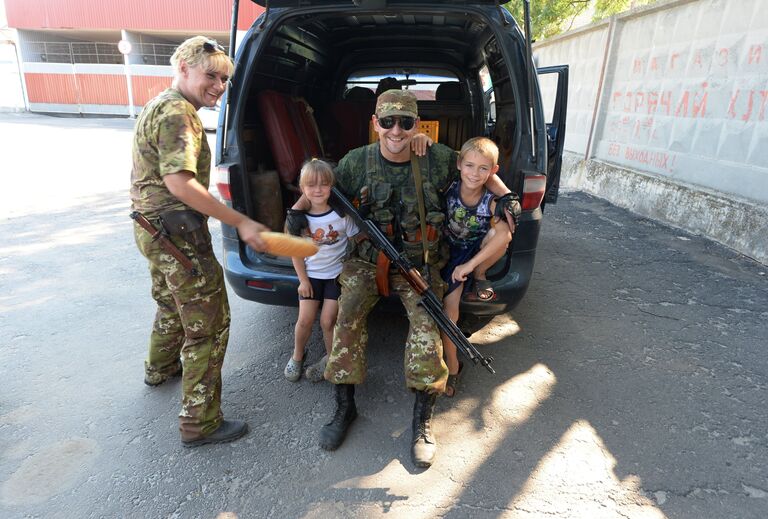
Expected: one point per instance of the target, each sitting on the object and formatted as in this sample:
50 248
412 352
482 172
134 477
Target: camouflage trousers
424 367
191 325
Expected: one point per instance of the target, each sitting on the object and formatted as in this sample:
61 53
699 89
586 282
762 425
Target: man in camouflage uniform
169 186
380 177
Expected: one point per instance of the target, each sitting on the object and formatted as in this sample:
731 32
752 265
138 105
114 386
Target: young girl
474 244
318 273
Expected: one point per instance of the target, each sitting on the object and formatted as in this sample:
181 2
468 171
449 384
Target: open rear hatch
366 4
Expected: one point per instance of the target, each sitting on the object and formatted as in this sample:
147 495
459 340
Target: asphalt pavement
631 381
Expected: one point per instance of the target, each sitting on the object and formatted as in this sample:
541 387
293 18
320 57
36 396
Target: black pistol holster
186 224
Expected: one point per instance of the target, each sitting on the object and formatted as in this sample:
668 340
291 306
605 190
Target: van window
548 87
422 83
485 79
489 98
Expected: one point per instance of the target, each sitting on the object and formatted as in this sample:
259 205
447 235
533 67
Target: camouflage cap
397 102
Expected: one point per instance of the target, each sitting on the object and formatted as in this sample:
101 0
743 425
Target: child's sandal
480 290
484 290
293 369
314 373
453 381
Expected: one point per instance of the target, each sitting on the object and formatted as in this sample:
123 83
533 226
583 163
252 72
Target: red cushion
291 133
307 128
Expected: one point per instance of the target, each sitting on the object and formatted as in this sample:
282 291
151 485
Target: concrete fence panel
679 105
686 97
584 52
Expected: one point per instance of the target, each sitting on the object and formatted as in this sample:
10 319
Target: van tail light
263 285
534 187
222 182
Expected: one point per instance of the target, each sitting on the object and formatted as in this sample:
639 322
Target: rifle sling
422 213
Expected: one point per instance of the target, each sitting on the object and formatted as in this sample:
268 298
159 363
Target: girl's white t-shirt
330 232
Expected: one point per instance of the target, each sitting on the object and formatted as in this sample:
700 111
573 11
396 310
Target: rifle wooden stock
429 300
165 243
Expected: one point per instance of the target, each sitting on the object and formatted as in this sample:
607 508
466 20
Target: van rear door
554 80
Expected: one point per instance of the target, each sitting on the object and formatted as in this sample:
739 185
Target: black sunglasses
211 46
405 122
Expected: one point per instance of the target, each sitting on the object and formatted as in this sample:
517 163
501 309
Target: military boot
424 443
228 431
333 433
155 378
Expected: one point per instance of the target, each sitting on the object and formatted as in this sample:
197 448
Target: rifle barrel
429 300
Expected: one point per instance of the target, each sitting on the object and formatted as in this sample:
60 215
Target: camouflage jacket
168 138
387 195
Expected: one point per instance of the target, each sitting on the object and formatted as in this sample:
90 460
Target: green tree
551 17
548 17
606 8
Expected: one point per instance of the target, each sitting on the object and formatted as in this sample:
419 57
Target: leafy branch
551 17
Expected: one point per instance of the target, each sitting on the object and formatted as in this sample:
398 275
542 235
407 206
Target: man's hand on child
420 143
296 222
508 208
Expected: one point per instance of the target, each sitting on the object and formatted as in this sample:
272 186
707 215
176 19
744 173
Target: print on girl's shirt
321 237
330 232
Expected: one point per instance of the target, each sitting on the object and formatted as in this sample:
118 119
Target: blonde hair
482 145
192 52
316 170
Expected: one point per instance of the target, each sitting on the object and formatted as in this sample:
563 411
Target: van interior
311 90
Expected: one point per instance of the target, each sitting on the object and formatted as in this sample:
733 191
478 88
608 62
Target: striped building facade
70 50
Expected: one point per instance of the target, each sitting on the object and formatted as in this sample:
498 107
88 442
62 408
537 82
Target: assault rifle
429 300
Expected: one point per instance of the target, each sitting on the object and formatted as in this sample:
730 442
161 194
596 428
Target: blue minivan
305 86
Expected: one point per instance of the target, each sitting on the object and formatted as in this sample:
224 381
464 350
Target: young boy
476 241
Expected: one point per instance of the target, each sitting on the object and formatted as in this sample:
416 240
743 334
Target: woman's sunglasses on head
211 46
405 122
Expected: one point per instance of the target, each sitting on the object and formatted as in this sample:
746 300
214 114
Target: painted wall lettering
684 96
700 60
688 103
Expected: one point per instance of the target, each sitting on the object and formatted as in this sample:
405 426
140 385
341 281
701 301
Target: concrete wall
667 115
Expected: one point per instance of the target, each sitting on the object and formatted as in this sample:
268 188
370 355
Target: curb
736 223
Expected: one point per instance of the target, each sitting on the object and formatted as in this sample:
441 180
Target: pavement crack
658 315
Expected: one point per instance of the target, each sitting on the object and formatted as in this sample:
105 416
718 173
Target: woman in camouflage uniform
169 186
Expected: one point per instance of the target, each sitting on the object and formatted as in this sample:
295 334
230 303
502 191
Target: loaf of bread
281 244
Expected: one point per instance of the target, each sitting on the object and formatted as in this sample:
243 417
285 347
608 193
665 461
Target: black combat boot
424 443
228 431
333 433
